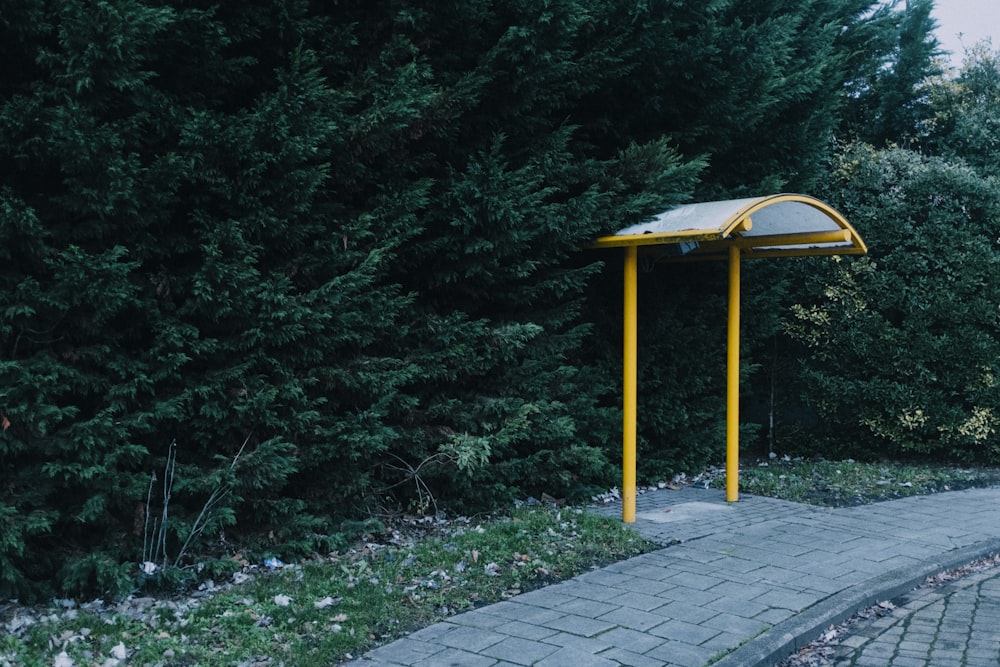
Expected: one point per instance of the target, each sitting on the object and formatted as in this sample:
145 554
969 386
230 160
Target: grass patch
847 483
400 578
322 611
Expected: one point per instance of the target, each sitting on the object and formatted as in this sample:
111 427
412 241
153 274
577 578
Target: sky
974 19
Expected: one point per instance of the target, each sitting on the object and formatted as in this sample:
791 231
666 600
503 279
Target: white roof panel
756 225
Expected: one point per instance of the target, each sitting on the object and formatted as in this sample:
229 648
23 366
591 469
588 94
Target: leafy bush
904 343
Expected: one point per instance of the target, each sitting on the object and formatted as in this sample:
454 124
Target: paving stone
740 591
681 631
724 642
586 644
690 596
737 624
684 611
594 592
455 658
524 612
632 640
547 598
879 649
605 578
482 619
982 656
406 651
779 575
580 625
700 582
647 587
774 616
634 619
820 584
744 608
432 633
621 656
568 657
939 656
525 630
914 644
679 653
787 599
853 641
588 608
470 639
869 661
638 601
520 651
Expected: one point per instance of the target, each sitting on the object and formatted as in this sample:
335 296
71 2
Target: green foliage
890 104
351 235
849 482
98 572
903 344
308 228
963 122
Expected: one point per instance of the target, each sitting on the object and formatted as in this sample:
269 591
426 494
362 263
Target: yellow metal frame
733 379
629 387
725 241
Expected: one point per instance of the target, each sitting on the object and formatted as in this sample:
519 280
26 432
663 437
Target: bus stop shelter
781 225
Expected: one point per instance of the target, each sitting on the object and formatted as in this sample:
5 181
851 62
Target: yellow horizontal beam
777 240
806 252
666 238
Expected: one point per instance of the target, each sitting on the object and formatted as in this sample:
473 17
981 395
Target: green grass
318 613
321 611
845 483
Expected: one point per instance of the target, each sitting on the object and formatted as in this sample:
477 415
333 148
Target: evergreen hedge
267 265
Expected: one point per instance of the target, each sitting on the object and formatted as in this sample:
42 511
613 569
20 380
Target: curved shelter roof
782 225
772 226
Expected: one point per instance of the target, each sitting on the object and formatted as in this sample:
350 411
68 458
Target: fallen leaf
326 602
339 618
119 652
282 600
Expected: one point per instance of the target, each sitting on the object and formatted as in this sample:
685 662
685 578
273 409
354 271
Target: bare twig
413 473
206 511
154 542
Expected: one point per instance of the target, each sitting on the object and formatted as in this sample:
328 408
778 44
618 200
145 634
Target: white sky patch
963 23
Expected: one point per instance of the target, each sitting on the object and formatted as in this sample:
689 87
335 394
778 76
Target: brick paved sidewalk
956 624
739 584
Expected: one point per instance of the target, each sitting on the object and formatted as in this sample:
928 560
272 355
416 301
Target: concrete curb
785 638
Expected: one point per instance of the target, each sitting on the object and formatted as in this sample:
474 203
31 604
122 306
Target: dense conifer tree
307 261
889 100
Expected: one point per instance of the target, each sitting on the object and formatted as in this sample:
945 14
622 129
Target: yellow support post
733 380
631 345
